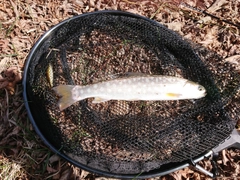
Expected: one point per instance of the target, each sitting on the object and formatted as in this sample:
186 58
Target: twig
211 15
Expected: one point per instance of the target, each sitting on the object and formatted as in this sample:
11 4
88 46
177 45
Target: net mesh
129 136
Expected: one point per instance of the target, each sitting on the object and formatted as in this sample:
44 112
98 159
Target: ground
22 153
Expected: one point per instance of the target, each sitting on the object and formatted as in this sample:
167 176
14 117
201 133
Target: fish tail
66 100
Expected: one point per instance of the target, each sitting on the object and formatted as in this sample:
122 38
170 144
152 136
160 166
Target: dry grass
22 153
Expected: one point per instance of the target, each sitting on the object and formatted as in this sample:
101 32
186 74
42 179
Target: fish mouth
201 95
204 94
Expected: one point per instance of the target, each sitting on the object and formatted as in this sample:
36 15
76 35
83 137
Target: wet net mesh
129 136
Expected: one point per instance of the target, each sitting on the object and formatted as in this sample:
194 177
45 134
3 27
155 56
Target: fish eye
200 88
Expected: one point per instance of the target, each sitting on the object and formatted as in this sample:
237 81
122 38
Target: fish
49 74
131 88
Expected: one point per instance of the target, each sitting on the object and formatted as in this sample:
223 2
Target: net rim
153 173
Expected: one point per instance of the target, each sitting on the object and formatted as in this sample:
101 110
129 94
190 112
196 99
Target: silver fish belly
131 89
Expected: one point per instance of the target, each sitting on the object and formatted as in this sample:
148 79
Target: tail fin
66 100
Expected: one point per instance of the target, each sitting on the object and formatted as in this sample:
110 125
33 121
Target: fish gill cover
124 136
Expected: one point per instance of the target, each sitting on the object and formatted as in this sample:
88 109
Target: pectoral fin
99 100
173 95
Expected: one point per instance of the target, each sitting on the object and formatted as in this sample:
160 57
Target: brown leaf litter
10 78
22 153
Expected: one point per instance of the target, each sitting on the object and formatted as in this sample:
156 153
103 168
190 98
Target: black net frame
127 138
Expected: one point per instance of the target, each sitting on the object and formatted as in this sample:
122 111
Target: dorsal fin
128 74
134 74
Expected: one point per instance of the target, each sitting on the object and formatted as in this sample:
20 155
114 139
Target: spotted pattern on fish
132 88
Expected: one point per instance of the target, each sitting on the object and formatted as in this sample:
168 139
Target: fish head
193 90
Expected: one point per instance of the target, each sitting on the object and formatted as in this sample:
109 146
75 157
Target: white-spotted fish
133 88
